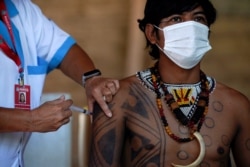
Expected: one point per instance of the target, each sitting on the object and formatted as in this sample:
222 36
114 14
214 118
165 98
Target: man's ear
150 33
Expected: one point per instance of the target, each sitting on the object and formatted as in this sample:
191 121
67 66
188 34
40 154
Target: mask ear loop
156 43
158 27
159 47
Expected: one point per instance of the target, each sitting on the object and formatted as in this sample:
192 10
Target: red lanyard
3 45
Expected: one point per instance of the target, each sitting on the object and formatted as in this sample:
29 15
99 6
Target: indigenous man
173 114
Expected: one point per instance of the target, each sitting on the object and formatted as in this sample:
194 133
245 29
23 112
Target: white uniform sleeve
51 42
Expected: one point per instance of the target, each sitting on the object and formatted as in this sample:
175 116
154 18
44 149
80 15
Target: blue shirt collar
11 8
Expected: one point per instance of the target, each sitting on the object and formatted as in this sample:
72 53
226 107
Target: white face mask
186 43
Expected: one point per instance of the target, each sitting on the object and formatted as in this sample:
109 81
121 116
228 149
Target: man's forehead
197 10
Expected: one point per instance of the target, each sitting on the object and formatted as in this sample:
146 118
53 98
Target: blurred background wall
108 31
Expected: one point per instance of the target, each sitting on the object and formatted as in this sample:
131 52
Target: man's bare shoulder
231 98
133 96
229 93
130 83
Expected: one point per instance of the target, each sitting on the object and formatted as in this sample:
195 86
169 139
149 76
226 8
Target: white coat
41 46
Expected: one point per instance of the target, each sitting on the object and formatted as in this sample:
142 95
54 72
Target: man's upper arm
107 139
241 146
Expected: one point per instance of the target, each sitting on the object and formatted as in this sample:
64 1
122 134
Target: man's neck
173 74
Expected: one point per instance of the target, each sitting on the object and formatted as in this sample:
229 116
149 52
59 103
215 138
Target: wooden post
136 43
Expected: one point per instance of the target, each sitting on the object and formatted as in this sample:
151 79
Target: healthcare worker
31 45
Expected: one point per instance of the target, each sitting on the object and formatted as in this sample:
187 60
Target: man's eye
200 19
176 19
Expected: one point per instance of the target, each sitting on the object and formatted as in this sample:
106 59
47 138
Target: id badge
22 97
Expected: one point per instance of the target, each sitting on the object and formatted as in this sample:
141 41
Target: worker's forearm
75 63
14 120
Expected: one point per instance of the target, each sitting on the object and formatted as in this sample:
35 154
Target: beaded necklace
199 114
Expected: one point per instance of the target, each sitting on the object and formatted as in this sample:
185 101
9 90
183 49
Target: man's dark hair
156 10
